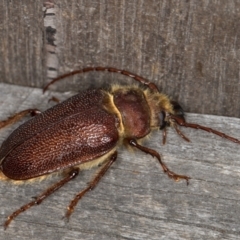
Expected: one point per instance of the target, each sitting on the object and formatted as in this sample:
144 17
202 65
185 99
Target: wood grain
21 42
189 48
135 200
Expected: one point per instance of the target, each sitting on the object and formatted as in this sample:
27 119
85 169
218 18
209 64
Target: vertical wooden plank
189 48
21 42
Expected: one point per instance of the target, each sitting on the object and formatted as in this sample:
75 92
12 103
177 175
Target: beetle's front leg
18 116
152 152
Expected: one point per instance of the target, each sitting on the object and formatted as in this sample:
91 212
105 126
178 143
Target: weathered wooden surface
190 48
22 53
135 200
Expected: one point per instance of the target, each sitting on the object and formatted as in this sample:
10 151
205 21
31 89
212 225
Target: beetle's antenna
182 122
138 78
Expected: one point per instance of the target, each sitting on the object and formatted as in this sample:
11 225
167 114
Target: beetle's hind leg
91 185
18 116
37 200
152 152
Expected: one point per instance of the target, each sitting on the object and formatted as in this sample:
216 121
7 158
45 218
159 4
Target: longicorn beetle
86 130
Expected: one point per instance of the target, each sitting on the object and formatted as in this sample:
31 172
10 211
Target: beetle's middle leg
91 185
37 200
18 116
152 152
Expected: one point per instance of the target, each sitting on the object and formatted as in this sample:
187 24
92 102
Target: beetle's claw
178 177
68 214
6 223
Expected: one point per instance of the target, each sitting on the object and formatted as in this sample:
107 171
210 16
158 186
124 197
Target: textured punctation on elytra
86 130
65 135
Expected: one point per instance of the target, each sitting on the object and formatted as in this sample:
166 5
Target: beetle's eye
163 123
177 109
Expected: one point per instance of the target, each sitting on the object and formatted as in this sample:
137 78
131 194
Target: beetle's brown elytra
86 130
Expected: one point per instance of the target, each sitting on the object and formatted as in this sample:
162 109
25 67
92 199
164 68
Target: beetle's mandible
86 130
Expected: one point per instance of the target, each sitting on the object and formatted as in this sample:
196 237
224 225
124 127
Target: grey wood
22 51
189 48
135 200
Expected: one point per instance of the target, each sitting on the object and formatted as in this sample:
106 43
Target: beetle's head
165 117
176 117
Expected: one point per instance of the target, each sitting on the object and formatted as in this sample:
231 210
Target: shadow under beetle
86 130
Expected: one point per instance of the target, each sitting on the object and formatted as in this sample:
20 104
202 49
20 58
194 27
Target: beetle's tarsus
18 116
177 177
7 222
68 214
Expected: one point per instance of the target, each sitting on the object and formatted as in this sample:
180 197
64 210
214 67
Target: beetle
86 130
